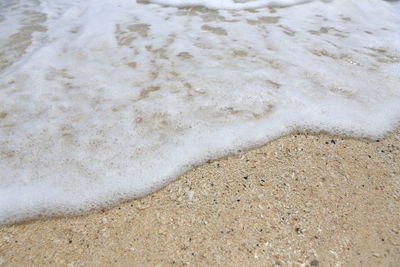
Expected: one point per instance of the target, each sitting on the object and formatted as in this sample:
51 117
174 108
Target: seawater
106 100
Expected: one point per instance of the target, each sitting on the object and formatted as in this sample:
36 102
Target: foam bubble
110 100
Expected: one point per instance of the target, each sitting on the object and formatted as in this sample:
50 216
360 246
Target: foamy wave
230 4
108 100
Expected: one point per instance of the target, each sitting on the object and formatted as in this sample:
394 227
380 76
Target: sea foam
230 4
103 101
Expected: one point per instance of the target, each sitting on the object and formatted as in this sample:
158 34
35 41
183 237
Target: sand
301 200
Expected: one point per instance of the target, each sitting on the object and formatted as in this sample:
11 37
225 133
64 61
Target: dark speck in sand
314 263
333 141
246 177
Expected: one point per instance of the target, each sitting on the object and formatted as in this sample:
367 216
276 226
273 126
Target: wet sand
301 200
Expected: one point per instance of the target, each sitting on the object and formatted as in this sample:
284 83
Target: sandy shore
301 200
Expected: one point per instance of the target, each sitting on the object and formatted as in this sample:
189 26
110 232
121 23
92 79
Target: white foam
230 4
117 98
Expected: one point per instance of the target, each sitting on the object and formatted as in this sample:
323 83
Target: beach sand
300 200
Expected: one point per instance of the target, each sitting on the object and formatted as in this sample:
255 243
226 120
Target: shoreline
302 199
192 168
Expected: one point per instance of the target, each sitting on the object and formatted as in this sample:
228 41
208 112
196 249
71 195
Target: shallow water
107 100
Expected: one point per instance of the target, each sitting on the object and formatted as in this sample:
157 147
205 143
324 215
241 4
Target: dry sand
301 200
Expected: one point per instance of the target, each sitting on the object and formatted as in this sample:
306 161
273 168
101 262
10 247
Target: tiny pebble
190 195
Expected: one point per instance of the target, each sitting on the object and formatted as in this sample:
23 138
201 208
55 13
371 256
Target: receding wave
103 101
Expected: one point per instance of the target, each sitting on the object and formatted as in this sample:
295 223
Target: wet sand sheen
300 200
